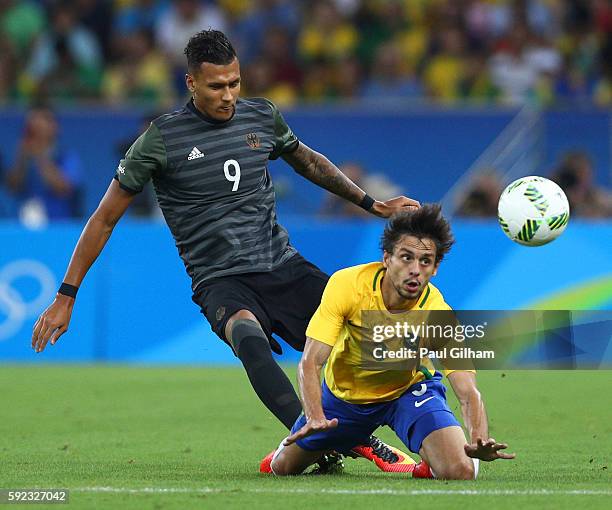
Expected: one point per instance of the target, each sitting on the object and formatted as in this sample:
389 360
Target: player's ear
386 257
435 271
189 81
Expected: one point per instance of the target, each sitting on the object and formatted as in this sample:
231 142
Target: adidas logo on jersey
195 154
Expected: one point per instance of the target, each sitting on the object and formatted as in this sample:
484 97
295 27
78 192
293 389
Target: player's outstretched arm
309 381
318 169
53 322
475 419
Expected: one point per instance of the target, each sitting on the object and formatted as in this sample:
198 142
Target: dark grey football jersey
213 186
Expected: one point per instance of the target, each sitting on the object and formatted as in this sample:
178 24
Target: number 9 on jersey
235 177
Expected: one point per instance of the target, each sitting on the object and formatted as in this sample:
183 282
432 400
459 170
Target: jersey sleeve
437 303
285 140
145 157
328 321
466 365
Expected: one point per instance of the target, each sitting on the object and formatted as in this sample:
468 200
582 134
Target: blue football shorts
420 410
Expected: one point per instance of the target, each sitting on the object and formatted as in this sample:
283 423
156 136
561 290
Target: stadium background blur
440 100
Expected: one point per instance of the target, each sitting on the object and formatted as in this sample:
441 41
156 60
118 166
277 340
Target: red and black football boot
387 458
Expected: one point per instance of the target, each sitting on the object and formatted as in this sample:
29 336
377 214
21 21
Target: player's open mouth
412 286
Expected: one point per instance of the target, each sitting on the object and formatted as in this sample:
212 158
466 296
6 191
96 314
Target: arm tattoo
318 169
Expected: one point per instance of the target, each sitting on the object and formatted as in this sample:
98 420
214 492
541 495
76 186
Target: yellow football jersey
338 323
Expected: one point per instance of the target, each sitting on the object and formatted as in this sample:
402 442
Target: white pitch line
360 492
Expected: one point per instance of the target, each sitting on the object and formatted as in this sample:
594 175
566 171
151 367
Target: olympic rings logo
15 309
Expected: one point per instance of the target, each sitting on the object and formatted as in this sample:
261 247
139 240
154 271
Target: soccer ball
533 211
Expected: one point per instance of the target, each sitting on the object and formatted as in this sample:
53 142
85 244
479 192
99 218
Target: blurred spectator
335 206
347 7
317 80
277 51
575 176
139 15
237 9
8 74
249 31
476 84
523 62
602 12
574 86
346 81
447 68
66 61
492 19
20 23
140 75
325 34
390 79
45 179
8 205
603 86
480 200
258 80
183 19
97 16
377 185
378 23
274 74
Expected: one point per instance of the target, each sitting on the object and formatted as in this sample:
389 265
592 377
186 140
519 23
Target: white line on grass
361 492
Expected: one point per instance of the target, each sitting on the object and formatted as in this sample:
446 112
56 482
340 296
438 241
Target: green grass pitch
175 437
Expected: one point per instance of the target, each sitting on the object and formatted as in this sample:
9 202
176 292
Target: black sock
268 379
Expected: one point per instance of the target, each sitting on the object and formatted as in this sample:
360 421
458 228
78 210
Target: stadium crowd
449 52
446 51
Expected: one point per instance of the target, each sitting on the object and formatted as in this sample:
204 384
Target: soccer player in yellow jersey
352 401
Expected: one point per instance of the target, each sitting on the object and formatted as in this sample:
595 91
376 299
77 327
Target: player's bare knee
278 466
239 315
281 466
463 470
466 471
243 314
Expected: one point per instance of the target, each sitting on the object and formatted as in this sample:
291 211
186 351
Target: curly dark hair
208 46
425 222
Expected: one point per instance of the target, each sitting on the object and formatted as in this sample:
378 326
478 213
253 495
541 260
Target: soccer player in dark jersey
208 164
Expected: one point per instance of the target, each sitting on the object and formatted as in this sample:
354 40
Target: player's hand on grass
487 450
52 323
311 427
394 205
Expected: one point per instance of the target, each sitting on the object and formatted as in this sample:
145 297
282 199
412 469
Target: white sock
476 465
278 450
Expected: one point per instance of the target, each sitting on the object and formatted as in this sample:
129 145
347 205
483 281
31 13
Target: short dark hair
425 222
208 46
